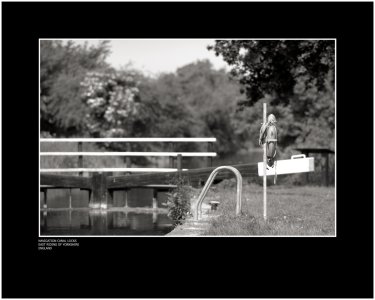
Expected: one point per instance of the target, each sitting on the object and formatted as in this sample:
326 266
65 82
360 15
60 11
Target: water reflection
103 222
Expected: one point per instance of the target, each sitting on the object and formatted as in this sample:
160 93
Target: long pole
264 167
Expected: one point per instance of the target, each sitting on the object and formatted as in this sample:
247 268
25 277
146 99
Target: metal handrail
198 207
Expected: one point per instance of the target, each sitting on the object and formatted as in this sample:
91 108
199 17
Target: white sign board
288 166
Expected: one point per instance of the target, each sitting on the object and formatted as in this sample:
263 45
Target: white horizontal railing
80 153
174 154
103 140
138 170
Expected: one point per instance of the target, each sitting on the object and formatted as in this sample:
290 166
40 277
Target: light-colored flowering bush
112 103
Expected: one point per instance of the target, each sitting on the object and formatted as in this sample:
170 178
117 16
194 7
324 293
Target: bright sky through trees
164 55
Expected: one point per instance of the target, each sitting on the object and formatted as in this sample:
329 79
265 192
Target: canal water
137 218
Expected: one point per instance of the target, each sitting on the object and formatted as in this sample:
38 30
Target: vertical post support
70 198
327 169
209 158
264 167
98 222
80 158
128 159
179 162
109 196
307 173
90 196
171 149
45 198
126 198
45 225
154 199
70 218
154 217
101 196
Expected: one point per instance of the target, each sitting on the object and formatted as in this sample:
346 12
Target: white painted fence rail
104 140
138 170
127 154
174 154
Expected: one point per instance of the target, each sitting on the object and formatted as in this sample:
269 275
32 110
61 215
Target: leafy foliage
276 66
195 101
63 66
296 78
178 201
172 117
112 103
82 95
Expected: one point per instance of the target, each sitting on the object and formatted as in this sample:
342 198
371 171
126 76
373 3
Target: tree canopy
296 77
63 65
206 101
276 66
82 95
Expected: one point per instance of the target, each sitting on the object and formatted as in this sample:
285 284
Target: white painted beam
185 154
100 140
288 166
110 170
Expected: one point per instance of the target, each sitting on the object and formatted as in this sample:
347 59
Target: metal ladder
198 207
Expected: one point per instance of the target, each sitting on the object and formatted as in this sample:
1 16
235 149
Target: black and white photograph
187 150
187 137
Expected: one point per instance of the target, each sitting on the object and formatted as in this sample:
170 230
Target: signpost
268 136
264 167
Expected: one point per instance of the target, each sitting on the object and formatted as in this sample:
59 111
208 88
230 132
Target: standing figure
268 135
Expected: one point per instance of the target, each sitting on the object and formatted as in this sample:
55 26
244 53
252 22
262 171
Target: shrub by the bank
178 201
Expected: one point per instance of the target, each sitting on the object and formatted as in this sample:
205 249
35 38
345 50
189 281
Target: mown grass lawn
291 210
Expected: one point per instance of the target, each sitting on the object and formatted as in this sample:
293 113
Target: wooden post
109 197
98 222
90 195
209 159
96 190
70 218
171 149
264 167
101 196
45 198
327 169
179 162
45 225
307 173
128 162
126 198
126 219
154 199
80 158
70 198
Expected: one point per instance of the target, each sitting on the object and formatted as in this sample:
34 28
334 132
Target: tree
275 66
211 96
195 101
63 66
295 77
170 116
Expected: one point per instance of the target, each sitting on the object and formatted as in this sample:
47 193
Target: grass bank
291 210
